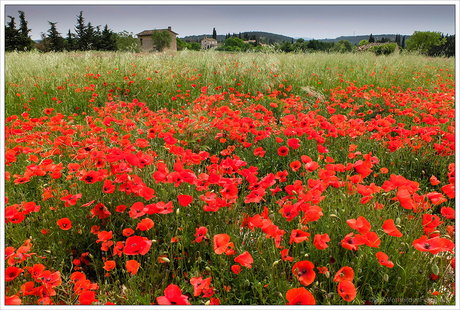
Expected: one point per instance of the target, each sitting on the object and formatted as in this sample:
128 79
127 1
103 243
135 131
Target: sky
297 19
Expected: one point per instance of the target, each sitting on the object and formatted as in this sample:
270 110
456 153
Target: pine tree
214 33
24 42
70 43
80 29
90 37
11 35
55 39
108 40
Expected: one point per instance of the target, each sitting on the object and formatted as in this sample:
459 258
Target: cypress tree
371 39
80 29
11 35
25 42
70 42
108 40
55 39
214 33
403 43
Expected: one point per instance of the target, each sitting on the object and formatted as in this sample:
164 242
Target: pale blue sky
302 19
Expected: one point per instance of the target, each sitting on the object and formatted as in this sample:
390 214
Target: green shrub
385 49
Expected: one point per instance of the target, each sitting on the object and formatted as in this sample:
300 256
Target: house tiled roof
150 32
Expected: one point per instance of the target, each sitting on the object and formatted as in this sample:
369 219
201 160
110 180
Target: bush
385 49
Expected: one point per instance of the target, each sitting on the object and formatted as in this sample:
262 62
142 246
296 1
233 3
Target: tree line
86 37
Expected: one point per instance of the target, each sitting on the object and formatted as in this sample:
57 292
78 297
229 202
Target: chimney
169 28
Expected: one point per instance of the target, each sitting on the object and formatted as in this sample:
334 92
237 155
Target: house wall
147 43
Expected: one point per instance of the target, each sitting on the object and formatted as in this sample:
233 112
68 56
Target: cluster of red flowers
128 149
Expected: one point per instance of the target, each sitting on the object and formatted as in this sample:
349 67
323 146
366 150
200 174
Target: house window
141 41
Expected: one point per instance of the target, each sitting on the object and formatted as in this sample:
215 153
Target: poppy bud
306 255
208 302
333 215
327 274
247 282
207 268
177 211
435 269
165 259
276 263
385 277
398 221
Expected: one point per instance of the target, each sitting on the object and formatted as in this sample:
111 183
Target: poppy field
206 178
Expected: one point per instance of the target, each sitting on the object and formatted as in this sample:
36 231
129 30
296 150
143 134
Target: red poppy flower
244 259
360 224
320 241
448 212
109 265
304 272
383 259
284 255
295 165
199 284
145 224
311 166
173 296
137 210
371 239
132 266
108 187
71 199
222 244
344 274
12 272
433 245
259 152
137 245
283 151
12 300
346 290
299 296
128 232
90 177
449 190
390 228
434 180
87 297
352 243
184 200
298 236
236 269
64 223
294 143
28 288
201 234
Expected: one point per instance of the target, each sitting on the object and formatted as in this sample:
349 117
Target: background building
146 43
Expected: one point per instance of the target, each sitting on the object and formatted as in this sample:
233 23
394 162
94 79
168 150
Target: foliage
363 42
446 48
343 46
423 41
161 39
384 49
56 41
126 42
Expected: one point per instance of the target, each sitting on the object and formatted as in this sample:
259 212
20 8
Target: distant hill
356 39
263 37
269 38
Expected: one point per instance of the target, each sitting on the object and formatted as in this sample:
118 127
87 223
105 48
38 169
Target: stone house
207 43
146 43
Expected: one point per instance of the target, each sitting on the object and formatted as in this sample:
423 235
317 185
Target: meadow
207 178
